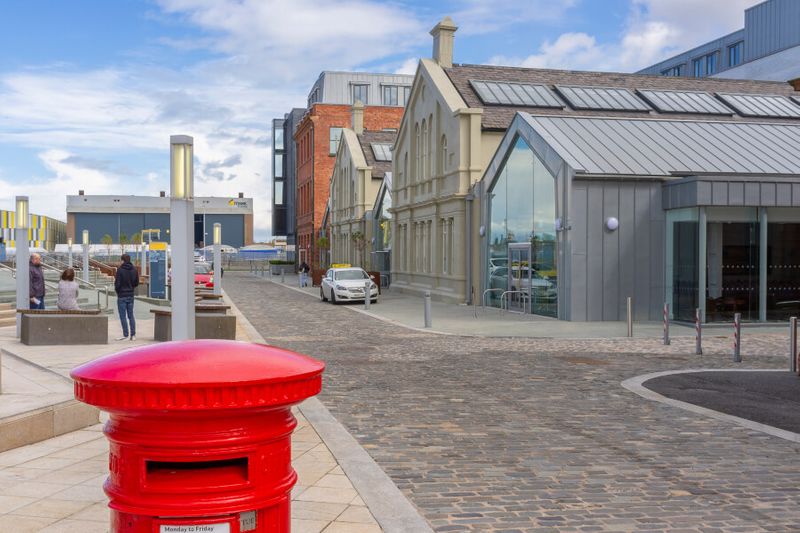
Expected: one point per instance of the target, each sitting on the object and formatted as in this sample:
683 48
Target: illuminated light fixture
181 173
612 223
86 237
69 242
22 212
217 233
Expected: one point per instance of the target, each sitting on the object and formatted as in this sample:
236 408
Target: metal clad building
43 232
284 175
119 216
767 48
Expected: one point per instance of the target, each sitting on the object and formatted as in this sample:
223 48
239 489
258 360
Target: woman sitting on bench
68 291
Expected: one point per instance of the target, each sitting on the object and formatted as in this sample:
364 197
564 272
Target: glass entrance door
520 275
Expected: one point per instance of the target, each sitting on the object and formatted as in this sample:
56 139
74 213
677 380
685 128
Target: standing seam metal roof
611 146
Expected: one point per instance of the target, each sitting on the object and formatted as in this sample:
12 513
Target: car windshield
349 275
202 268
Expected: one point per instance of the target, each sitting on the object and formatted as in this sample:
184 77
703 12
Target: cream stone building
440 153
363 160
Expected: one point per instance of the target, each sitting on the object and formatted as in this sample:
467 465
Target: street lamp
217 258
181 222
69 246
23 257
86 256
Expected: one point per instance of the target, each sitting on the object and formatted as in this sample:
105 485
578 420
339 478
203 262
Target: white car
346 285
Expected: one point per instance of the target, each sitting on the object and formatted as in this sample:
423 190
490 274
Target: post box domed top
198 375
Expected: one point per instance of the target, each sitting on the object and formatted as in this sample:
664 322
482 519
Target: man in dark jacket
125 283
37 282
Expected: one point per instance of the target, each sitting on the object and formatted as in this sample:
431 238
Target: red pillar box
200 434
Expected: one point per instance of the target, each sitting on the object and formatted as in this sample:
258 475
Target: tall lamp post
86 255
144 253
181 222
69 257
23 257
217 258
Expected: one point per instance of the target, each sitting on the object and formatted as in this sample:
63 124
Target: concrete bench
206 325
46 327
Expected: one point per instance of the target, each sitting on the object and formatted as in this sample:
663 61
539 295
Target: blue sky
90 90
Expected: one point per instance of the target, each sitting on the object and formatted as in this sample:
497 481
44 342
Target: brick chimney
358 117
443 36
795 83
162 194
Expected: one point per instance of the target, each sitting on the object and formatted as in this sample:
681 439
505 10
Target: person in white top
68 291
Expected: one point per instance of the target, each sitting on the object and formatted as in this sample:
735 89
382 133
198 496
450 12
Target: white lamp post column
181 222
86 255
23 257
144 253
217 258
69 258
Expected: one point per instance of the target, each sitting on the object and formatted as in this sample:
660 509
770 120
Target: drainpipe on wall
469 198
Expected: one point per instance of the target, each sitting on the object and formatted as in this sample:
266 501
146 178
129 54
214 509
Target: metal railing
54 286
506 308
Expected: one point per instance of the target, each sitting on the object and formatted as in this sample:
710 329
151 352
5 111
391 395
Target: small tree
123 241
360 242
322 246
107 241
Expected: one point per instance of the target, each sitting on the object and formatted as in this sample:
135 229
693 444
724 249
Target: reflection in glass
523 210
732 270
682 262
783 270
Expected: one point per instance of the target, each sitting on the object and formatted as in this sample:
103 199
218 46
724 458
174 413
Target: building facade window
735 54
417 160
424 164
278 165
396 95
279 192
361 94
699 67
675 71
442 167
336 135
712 63
279 138
706 65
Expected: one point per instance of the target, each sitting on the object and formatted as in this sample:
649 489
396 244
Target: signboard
198 528
158 270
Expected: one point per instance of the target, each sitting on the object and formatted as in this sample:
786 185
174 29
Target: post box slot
197 475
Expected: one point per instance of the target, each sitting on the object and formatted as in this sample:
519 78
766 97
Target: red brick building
317 137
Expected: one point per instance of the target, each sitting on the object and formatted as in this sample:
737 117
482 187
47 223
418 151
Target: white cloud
409 66
266 54
655 30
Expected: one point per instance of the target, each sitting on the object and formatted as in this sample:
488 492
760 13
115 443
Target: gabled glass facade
522 254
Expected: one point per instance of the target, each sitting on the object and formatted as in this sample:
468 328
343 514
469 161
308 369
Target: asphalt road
771 398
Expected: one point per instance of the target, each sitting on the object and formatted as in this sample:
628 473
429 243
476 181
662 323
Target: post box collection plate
199 434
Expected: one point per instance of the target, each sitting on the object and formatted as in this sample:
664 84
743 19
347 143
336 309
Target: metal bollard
793 344
630 316
698 333
283 275
737 337
427 309
666 324
367 294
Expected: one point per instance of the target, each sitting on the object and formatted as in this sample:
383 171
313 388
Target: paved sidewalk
56 485
454 319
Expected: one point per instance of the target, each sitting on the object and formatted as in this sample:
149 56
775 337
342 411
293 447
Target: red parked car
203 275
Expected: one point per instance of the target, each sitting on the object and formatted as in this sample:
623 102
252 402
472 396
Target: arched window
404 177
431 147
442 155
417 160
425 152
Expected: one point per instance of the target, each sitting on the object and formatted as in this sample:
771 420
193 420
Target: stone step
12 321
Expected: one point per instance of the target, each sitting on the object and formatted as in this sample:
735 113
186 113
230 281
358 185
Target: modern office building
44 232
563 193
284 175
363 160
318 134
126 216
767 48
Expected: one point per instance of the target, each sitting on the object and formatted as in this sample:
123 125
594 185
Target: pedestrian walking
304 270
37 282
68 291
125 283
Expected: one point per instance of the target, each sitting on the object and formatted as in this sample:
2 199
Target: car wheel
322 295
374 301
333 297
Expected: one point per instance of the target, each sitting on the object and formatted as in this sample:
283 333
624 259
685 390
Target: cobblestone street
525 434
